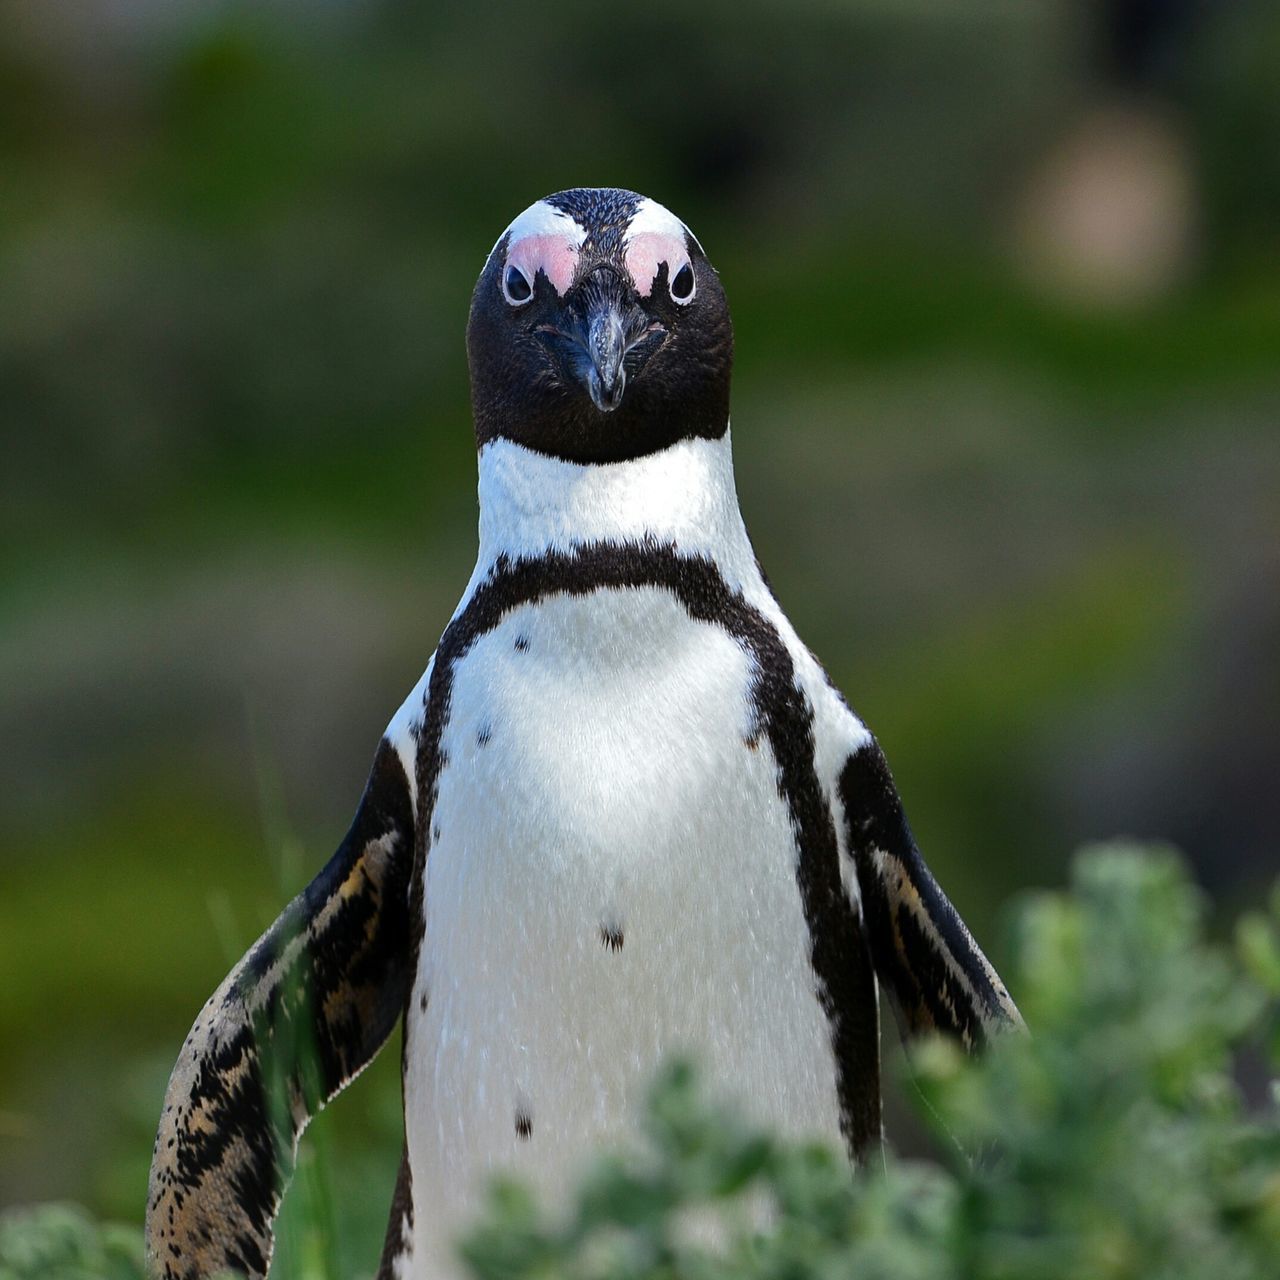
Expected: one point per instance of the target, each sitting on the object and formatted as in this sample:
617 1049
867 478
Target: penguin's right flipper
936 975
305 1010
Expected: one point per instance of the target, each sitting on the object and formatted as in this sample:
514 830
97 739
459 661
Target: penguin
623 815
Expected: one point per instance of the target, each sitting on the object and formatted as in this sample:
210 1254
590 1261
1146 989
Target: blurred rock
1108 217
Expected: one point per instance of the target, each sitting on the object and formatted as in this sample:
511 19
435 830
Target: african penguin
623 815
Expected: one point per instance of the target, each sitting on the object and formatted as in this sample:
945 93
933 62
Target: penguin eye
682 286
515 286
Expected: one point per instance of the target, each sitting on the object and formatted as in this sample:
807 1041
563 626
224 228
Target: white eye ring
683 301
523 291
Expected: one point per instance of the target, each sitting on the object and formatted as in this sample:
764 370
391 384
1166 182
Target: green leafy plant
61 1242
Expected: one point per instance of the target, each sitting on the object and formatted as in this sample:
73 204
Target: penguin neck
683 496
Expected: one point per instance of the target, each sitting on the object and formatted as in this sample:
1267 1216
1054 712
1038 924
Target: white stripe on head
544 238
654 236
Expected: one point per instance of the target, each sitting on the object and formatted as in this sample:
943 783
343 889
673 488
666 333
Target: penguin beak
606 344
605 326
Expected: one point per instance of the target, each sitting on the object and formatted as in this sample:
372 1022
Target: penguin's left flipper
936 976
296 1019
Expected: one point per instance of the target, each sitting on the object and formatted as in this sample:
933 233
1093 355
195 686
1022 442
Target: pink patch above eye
553 254
646 251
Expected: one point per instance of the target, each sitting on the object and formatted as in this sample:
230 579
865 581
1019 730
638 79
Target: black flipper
936 977
307 1008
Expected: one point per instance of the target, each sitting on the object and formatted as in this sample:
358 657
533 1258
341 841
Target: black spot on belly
522 643
484 734
524 1126
611 936
422 1002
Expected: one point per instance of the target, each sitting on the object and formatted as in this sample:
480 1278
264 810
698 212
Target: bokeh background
1006 282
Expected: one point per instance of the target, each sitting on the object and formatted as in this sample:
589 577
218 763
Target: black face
599 373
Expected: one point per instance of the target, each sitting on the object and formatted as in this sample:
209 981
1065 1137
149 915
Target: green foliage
60 1242
1114 1142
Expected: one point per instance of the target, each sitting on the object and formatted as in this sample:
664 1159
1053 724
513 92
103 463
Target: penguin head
598 331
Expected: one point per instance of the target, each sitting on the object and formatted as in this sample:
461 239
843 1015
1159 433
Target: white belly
605 783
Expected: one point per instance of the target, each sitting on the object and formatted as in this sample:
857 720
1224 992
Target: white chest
611 880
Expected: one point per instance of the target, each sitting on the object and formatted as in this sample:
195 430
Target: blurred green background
1006 283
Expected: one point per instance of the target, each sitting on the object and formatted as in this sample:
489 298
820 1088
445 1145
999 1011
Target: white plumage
606 780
